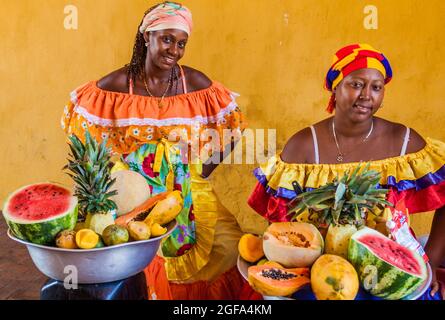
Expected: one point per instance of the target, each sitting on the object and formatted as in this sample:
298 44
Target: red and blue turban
351 58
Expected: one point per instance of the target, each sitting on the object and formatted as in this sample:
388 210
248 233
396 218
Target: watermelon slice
386 269
36 213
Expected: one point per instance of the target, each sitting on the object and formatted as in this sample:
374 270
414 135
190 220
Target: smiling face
360 94
166 47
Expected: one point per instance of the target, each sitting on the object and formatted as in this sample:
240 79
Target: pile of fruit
340 247
110 204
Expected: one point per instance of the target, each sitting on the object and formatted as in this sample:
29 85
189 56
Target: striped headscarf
351 58
168 15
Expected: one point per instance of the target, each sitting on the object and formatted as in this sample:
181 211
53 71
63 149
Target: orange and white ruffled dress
205 269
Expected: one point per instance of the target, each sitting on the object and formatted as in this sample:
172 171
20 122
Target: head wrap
167 15
351 58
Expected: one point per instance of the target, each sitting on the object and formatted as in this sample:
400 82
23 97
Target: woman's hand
435 287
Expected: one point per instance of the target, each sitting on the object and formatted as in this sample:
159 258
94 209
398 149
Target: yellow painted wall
275 53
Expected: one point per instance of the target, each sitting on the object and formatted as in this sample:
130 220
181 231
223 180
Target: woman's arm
435 247
216 159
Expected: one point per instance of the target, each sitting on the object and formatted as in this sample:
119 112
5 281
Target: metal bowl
243 266
94 266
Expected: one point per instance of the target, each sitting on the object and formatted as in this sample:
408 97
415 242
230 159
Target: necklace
160 104
341 155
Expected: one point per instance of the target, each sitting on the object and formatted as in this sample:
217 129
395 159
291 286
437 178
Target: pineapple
342 206
89 167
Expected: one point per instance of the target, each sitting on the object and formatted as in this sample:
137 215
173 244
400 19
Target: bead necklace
170 79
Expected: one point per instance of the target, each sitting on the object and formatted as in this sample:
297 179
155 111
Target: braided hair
136 65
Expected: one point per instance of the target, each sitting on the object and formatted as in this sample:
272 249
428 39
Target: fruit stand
100 236
343 241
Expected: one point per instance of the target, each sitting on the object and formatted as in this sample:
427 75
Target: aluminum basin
98 265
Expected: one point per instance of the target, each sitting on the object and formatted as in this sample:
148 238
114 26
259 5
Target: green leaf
339 194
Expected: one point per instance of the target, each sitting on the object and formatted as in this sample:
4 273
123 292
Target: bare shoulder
416 142
398 131
115 81
298 147
196 80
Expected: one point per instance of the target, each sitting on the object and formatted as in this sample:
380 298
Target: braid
136 65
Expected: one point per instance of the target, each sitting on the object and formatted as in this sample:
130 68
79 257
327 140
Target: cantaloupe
132 190
292 244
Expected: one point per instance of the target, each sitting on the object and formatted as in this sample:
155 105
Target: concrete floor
19 278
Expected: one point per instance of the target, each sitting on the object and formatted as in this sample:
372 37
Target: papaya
166 210
334 278
273 264
142 211
293 244
276 281
250 247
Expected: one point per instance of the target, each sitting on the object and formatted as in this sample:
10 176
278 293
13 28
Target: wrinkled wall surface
274 53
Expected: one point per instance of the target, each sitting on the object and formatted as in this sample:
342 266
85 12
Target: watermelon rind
392 283
43 231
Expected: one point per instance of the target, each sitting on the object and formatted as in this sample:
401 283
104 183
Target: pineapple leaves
88 166
344 200
339 193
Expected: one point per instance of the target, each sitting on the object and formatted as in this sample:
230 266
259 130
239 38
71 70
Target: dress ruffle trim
108 108
205 208
418 171
129 121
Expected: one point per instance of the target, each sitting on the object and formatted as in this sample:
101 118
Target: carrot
150 203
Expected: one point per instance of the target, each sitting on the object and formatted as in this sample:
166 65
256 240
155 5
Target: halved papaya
141 212
166 210
275 281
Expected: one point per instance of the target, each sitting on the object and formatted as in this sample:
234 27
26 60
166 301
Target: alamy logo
371 278
71 21
71 280
371 20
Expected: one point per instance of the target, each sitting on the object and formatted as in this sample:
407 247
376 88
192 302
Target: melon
386 269
292 244
334 278
38 212
132 190
276 281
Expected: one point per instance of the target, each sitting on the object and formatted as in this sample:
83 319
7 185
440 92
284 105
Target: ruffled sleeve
128 121
418 178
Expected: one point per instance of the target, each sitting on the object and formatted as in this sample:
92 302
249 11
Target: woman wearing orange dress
149 110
